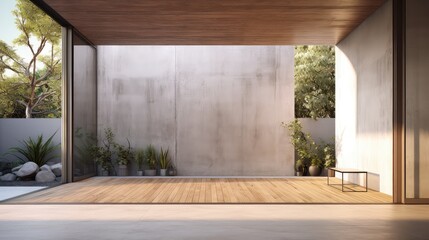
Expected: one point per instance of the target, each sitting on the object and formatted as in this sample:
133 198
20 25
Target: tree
37 79
314 82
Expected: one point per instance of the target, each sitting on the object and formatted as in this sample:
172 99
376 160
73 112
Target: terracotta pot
163 172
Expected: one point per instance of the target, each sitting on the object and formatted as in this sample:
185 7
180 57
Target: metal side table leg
327 177
366 182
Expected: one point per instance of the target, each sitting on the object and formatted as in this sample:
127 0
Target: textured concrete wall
364 99
85 88
14 130
84 108
136 95
218 109
417 87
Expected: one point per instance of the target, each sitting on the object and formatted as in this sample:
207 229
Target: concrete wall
217 108
364 99
85 109
14 130
321 130
417 97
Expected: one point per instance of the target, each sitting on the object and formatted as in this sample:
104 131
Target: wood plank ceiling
214 22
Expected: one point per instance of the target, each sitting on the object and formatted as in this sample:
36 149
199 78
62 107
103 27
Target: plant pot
326 172
172 172
315 171
104 173
139 172
163 172
150 172
122 170
300 174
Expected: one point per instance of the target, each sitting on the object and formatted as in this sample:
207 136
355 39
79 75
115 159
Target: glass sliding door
84 107
417 101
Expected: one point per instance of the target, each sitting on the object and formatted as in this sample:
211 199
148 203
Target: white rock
57 169
45 176
8 177
45 168
15 169
28 169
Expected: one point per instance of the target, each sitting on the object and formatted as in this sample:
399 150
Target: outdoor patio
111 190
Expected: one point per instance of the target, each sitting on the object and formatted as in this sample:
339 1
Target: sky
7 21
8 30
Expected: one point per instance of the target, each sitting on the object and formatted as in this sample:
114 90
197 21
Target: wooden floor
202 190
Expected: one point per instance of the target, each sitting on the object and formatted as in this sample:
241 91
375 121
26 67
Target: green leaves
104 154
139 158
33 22
307 150
124 154
314 81
329 153
39 76
37 151
164 160
150 156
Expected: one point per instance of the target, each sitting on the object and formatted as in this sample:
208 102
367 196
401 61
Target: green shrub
37 151
103 154
150 157
164 160
314 82
139 158
124 153
309 153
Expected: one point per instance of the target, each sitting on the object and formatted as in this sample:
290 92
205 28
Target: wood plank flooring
201 190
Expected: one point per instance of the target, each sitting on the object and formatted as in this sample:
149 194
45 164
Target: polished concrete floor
179 221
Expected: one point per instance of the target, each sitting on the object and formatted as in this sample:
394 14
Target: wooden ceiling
214 22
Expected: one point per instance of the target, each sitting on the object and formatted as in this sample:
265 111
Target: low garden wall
14 130
321 130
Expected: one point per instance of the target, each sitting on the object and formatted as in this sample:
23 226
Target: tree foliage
314 82
33 88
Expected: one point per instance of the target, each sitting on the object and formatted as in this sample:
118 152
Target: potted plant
124 156
172 171
139 158
301 143
103 154
150 158
164 162
329 157
315 168
299 167
316 158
